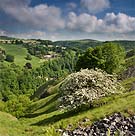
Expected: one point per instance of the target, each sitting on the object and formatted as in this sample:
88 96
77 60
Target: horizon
103 20
68 39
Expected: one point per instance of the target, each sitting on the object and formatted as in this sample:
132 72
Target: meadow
20 54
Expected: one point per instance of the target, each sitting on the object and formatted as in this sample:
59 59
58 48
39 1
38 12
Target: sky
68 19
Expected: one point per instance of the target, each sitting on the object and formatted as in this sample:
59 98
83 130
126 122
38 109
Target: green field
20 54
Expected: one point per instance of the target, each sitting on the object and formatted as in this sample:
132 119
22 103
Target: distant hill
7 38
82 44
126 44
86 43
20 53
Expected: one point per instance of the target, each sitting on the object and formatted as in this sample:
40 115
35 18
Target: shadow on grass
51 109
58 117
50 101
55 118
42 90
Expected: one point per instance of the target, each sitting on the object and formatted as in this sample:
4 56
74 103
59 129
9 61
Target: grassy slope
9 125
20 53
45 112
130 61
44 123
43 116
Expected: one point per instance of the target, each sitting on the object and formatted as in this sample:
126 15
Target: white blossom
87 85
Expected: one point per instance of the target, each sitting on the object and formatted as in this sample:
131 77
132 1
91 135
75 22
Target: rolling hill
86 43
43 115
7 38
81 44
20 54
44 118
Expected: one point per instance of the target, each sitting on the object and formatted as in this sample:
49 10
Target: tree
9 58
109 57
28 57
28 65
86 86
18 42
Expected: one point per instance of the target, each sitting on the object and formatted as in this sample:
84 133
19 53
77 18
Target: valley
30 103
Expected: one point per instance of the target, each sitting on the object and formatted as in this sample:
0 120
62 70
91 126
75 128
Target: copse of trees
40 50
44 42
109 57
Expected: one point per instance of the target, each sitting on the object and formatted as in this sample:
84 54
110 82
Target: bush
9 58
17 106
28 57
86 86
28 65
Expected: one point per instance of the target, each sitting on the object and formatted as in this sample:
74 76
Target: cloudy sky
68 19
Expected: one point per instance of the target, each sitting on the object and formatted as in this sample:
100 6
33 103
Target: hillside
43 116
81 44
129 74
126 44
6 38
85 43
9 125
20 54
67 67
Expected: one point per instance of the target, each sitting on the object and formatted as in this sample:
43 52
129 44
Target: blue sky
68 19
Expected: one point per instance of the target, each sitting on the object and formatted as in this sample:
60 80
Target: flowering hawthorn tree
87 85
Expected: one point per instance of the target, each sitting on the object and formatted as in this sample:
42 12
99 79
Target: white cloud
111 23
120 23
40 17
44 19
3 33
30 35
94 6
83 22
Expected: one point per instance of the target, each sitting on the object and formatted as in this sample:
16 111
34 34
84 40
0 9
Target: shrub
9 58
17 105
86 86
28 57
28 65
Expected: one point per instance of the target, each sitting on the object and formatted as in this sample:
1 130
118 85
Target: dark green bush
9 58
